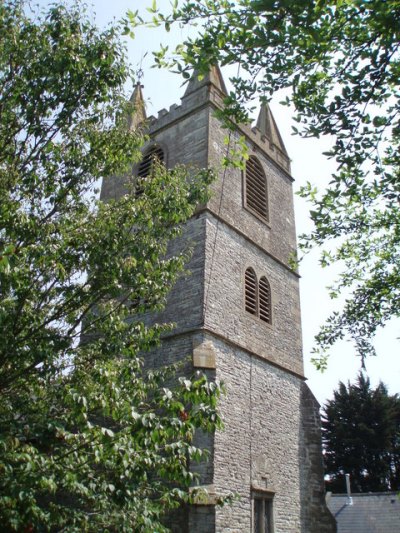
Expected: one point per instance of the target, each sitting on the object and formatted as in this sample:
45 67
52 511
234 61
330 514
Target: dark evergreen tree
361 437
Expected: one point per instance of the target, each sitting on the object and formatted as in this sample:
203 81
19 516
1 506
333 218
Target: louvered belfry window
256 194
155 153
264 294
250 290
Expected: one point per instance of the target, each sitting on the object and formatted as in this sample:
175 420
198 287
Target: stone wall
186 299
316 517
259 447
278 237
228 254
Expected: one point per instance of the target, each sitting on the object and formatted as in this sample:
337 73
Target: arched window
256 194
250 291
257 296
264 295
154 153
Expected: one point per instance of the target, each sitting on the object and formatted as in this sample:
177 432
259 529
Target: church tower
238 315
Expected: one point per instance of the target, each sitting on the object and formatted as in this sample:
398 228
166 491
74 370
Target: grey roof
377 512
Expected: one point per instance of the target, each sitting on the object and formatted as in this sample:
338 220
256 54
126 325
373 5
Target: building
238 315
373 512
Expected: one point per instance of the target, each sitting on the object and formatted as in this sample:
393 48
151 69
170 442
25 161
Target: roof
377 512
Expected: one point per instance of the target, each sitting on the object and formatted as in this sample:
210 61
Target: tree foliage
340 59
89 439
361 437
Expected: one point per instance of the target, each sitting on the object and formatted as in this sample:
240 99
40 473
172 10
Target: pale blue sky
162 89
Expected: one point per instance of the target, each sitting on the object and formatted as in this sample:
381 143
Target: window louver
265 300
256 188
155 153
250 289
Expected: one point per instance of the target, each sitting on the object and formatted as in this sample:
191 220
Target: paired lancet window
257 295
255 189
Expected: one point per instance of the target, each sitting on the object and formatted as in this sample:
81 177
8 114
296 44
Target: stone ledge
203 495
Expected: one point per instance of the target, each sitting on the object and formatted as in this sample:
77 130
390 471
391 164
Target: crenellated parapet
210 90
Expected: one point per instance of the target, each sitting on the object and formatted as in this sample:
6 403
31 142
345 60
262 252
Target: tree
90 440
361 437
341 62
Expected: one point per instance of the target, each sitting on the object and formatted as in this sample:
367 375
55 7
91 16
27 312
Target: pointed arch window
257 295
255 190
154 153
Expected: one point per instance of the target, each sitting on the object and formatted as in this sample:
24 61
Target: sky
161 90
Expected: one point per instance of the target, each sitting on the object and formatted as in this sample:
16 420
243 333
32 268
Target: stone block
204 355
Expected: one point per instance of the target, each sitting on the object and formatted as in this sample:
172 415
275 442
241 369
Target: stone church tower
238 315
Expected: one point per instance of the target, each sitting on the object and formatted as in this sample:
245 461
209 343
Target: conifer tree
361 437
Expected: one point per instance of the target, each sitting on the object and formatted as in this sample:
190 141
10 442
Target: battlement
264 135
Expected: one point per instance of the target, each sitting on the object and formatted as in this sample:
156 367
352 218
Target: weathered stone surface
314 512
271 437
228 254
262 426
203 355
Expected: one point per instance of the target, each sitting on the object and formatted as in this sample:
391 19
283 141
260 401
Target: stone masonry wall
259 447
228 254
185 141
185 301
278 237
316 517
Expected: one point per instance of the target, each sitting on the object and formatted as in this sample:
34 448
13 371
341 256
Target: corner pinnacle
138 114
